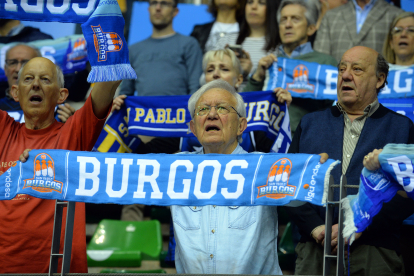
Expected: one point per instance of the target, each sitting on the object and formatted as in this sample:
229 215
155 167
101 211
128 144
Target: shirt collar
16 30
302 49
368 110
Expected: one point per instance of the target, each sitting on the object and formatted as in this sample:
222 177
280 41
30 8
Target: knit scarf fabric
102 26
378 187
169 179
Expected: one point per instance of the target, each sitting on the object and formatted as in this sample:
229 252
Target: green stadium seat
117 243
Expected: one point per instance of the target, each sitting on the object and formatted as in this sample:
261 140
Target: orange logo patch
300 82
105 42
277 184
44 175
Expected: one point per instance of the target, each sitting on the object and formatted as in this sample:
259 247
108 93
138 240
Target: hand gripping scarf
102 25
378 187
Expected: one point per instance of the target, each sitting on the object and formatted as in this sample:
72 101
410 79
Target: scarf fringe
326 181
111 73
349 225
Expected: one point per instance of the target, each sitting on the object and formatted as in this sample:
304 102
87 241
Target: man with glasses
223 239
16 57
167 63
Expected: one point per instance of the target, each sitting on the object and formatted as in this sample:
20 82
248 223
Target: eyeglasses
399 30
13 62
221 109
163 4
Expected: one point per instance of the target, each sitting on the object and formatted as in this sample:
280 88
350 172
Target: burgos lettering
8 181
277 185
300 80
43 180
105 42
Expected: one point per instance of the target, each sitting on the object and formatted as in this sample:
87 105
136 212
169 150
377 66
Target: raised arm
102 95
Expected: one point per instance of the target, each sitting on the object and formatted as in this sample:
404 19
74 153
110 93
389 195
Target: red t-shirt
26 222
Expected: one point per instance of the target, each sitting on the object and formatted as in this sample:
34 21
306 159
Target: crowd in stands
364 39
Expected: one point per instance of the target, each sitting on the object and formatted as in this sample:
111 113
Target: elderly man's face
357 80
17 57
293 26
217 133
38 91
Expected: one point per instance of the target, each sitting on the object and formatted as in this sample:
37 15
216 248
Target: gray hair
218 84
312 8
210 55
59 75
382 67
38 54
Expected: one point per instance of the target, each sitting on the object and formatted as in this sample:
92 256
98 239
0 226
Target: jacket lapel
349 16
374 15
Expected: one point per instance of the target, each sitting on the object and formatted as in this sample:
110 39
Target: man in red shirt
27 222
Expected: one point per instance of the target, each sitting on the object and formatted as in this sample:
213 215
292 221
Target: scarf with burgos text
102 26
168 116
170 179
378 187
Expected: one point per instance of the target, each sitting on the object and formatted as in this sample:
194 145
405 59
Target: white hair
218 84
59 75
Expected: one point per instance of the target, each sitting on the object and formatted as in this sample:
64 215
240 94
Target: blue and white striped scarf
102 25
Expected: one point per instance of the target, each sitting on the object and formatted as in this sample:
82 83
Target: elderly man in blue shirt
223 239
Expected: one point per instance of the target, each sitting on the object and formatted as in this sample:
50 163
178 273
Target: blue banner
403 106
318 81
377 187
167 116
163 179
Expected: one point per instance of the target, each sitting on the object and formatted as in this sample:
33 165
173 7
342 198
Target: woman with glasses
399 46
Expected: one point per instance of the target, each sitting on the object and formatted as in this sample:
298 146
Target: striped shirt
352 131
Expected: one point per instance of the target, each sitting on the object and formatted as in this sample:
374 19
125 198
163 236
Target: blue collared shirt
226 239
300 50
362 13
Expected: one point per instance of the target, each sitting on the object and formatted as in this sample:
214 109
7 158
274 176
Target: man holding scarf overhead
27 222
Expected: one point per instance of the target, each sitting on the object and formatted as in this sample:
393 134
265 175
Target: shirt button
348 155
213 231
353 136
214 206
211 256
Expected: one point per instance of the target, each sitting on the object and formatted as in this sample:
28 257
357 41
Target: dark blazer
337 32
201 33
323 132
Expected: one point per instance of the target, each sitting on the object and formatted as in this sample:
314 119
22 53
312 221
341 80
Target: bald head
57 72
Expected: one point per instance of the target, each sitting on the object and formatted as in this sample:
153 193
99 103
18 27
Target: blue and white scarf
167 116
164 179
380 186
318 81
102 25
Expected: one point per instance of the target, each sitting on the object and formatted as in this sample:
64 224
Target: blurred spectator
175 57
16 57
14 31
296 19
399 52
228 14
327 5
258 36
399 45
358 22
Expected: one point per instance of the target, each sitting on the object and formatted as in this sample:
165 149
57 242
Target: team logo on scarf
300 80
277 181
44 175
376 181
105 42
